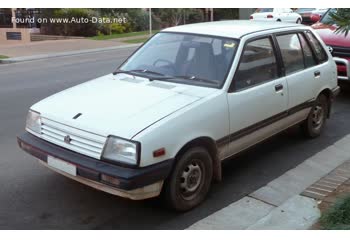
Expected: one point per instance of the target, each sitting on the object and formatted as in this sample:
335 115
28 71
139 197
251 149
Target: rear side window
320 53
309 59
257 65
292 53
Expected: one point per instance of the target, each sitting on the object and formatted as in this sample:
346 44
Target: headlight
33 122
121 150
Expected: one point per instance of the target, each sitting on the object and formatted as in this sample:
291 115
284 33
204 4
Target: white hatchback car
276 14
189 98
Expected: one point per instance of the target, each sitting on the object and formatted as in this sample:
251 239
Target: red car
338 43
311 15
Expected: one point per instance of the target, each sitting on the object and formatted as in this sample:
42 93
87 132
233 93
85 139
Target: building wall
25 35
244 13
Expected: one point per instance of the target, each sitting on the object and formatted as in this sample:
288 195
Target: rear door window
292 53
320 53
309 59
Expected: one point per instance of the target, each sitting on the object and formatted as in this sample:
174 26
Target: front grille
342 52
83 142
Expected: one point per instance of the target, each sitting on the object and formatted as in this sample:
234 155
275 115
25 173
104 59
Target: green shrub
71 29
337 216
113 28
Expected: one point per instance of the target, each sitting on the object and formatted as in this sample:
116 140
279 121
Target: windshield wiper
194 78
163 76
120 71
137 70
147 71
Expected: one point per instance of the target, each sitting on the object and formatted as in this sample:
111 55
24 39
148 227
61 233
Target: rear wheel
312 127
190 180
298 21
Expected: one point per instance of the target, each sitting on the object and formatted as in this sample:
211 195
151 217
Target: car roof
231 28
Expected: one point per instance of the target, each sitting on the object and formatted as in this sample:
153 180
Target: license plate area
62 165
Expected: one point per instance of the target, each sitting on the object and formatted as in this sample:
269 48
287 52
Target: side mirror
315 17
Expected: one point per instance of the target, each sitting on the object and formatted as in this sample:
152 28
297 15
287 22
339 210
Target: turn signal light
269 16
159 152
251 17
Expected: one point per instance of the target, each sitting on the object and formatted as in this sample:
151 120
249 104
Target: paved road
33 197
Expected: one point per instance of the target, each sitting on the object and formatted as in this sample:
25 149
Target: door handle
279 87
317 74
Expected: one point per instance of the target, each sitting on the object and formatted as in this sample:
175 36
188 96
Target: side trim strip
248 130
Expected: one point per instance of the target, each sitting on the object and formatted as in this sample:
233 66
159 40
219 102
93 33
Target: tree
170 16
176 16
226 13
341 18
77 28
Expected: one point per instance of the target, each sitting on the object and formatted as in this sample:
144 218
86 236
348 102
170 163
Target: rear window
262 10
304 10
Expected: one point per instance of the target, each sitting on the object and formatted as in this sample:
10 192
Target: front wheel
312 127
190 180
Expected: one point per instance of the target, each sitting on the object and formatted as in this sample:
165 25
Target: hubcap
317 117
190 179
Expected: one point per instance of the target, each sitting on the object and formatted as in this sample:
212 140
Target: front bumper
133 183
345 65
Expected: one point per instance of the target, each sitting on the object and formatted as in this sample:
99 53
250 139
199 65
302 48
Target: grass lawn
121 35
337 216
139 40
3 57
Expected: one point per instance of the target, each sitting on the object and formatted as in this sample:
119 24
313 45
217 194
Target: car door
300 68
257 96
278 14
323 71
290 17
283 15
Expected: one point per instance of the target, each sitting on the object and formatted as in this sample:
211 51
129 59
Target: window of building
5 17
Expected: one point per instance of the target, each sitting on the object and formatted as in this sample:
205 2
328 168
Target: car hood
118 105
328 35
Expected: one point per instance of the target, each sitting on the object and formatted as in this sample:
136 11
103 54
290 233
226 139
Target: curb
64 54
290 201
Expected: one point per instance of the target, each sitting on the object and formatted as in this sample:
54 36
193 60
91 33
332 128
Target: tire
190 180
298 21
279 20
313 126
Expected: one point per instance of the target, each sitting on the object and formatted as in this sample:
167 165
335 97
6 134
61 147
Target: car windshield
327 19
184 58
